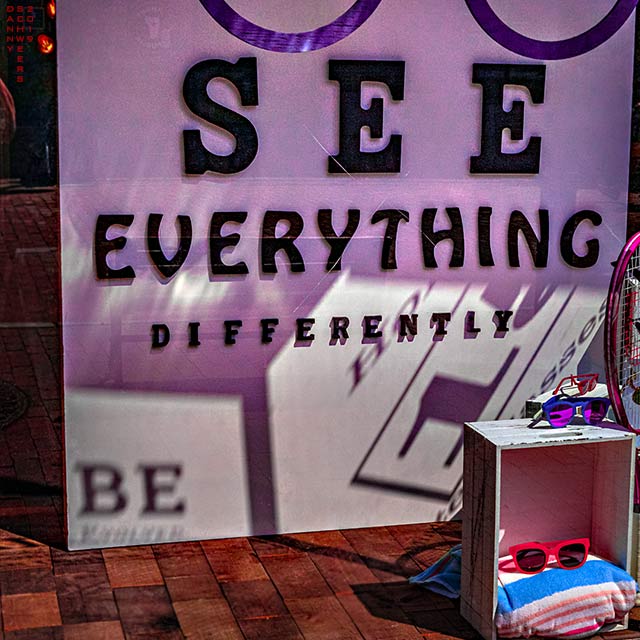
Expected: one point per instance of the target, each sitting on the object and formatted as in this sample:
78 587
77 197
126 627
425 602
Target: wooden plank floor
342 585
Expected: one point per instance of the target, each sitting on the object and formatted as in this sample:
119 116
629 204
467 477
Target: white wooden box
524 484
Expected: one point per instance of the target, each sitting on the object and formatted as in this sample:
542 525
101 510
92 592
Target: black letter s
244 76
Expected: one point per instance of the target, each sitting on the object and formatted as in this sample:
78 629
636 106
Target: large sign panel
303 242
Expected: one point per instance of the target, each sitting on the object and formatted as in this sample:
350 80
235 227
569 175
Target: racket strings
628 340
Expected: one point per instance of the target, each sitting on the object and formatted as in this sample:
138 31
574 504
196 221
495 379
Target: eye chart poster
302 243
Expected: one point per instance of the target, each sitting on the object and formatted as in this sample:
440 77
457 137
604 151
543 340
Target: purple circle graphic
353 18
543 49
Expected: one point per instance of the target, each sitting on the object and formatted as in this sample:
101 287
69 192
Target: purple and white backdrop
302 243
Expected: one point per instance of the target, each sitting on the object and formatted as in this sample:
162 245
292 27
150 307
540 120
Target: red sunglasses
583 382
533 557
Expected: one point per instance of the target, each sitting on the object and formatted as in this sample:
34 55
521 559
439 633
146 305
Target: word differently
107 241
406 325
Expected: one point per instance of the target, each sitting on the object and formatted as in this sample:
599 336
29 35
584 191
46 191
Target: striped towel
443 577
561 603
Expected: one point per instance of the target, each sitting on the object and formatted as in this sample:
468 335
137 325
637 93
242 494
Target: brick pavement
31 446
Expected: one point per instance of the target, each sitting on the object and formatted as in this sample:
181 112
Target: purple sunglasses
560 410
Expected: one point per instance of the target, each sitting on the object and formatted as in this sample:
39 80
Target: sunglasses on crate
533 557
560 409
582 382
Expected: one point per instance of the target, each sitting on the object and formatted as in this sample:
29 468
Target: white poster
303 244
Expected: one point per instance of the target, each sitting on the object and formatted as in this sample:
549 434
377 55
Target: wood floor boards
333 585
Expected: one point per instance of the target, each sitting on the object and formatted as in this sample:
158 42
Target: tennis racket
622 341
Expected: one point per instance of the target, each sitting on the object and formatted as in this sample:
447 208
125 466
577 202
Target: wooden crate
540 484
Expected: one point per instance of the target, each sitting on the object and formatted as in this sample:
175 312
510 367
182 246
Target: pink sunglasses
533 557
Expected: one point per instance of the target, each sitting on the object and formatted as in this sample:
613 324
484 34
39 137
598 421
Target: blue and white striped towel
560 603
